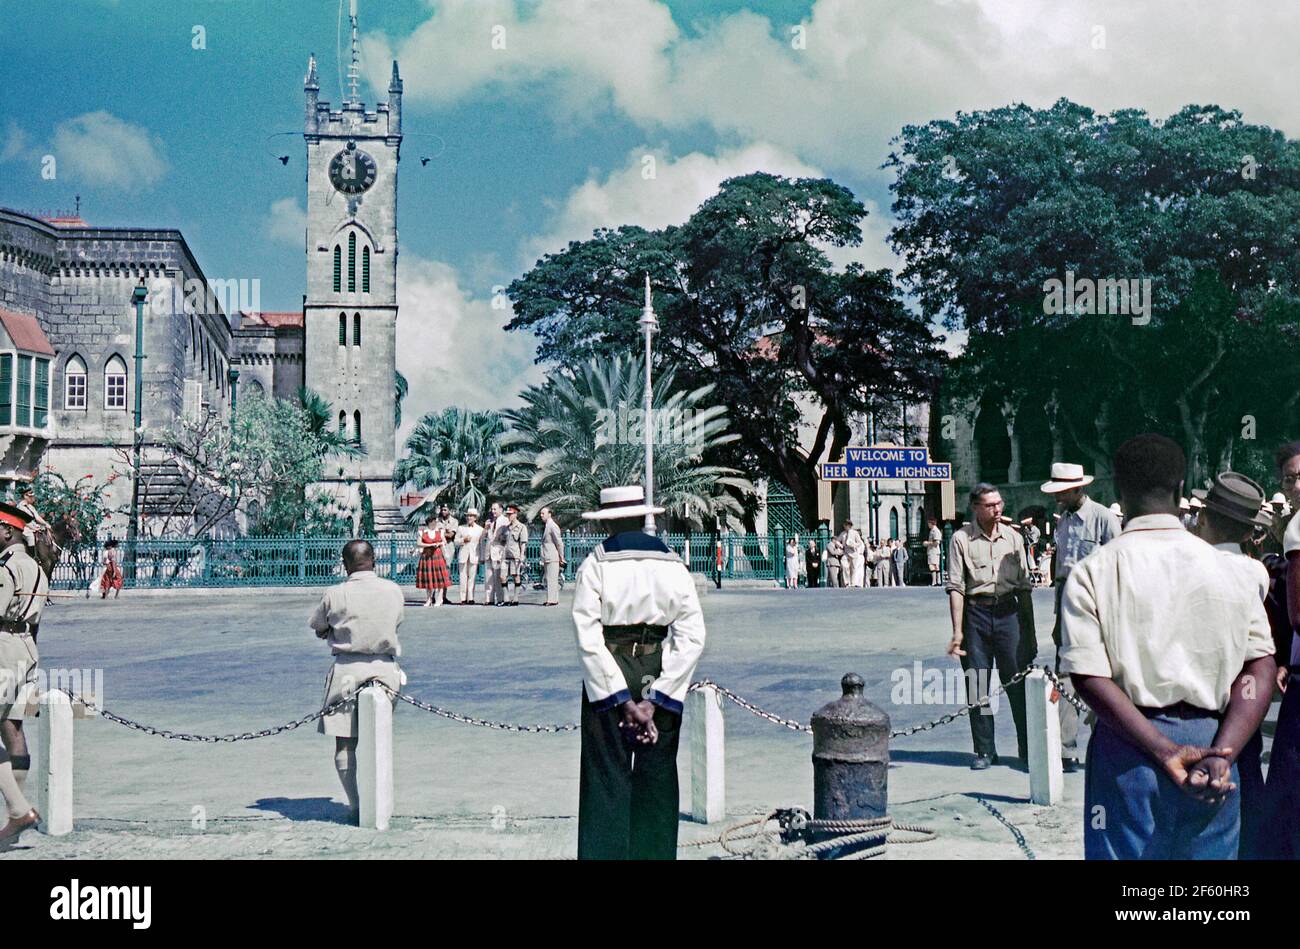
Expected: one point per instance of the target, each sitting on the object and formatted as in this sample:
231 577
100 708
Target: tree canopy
748 302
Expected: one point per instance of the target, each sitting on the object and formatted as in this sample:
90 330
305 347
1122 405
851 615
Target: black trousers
1279 837
628 799
991 640
1250 781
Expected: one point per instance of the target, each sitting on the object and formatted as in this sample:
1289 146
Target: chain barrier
424 706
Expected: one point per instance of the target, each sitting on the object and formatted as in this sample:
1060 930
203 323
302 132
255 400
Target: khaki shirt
361 615
979 564
23 586
448 527
514 540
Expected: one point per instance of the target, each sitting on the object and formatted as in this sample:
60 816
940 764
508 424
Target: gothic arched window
115 384
356 426
74 383
356 329
365 269
343 423
338 268
352 262
343 329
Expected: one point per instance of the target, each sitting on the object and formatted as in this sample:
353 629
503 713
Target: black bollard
850 757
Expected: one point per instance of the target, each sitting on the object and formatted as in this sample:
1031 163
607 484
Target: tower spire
354 68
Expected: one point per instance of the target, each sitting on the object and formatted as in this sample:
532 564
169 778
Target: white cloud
869 66
287 222
101 149
451 346
680 186
15 142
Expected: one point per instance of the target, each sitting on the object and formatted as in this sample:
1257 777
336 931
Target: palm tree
400 388
454 455
320 419
582 431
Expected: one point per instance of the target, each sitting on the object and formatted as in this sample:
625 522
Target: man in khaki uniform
834 558
988 578
513 538
552 557
359 619
23 589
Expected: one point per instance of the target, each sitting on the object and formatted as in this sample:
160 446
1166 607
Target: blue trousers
1133 811
1280 839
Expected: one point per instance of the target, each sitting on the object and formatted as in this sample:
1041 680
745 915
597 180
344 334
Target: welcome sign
886 464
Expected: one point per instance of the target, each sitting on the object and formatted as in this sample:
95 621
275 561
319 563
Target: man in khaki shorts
359 619
23 587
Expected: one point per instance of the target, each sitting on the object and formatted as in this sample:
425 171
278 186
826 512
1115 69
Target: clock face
352 171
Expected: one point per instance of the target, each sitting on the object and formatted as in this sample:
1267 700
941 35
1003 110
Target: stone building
68 320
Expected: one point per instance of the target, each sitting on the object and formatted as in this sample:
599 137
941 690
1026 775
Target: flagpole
649 326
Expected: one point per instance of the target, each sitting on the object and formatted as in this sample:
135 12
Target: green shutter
24 391
343 329
42 393
352 263
338 268
6 388
365 270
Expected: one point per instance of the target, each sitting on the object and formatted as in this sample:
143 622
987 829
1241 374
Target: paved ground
246 660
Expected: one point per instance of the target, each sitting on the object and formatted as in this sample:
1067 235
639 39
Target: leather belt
633 649
990 599
636 639
1180 710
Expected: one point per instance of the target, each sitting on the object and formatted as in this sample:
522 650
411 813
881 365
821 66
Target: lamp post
649 326
233 377
138 296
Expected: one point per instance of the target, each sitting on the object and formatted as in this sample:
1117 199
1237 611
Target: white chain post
1046 785
708 764
375 757
54 764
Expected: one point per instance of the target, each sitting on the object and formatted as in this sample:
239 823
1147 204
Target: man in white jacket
640 633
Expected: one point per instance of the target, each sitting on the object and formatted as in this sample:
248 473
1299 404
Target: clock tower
350 309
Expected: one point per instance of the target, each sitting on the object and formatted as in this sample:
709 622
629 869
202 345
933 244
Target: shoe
1069 765
994 759
981 763
12 830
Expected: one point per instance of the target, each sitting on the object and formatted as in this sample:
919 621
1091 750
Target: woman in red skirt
431 574
112 576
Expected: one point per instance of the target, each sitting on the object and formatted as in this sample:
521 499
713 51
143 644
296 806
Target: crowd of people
848 560
500 546
1171 616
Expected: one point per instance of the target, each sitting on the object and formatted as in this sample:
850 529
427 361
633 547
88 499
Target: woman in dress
431 574
813 561
111 579
792 563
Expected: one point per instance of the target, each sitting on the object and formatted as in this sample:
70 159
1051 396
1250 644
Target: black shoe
981 763
1069 765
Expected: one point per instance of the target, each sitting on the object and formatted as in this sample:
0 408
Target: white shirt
626 587
1165 615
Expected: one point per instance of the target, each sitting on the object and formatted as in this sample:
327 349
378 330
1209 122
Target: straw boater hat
1064 477
628 501
1196 504
1237 497
1183 505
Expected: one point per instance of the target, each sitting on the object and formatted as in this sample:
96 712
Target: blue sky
537 144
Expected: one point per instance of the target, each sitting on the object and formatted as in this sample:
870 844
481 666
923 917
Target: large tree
992 205
748 302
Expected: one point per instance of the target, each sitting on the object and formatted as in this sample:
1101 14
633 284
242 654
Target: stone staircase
388 520
168 490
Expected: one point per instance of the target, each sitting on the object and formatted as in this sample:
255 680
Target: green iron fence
314 561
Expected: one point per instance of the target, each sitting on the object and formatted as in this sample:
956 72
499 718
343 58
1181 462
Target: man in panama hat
640 633
1084 526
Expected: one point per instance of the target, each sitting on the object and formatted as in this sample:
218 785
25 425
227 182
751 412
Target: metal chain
213 739
470 720
554 728
750 706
